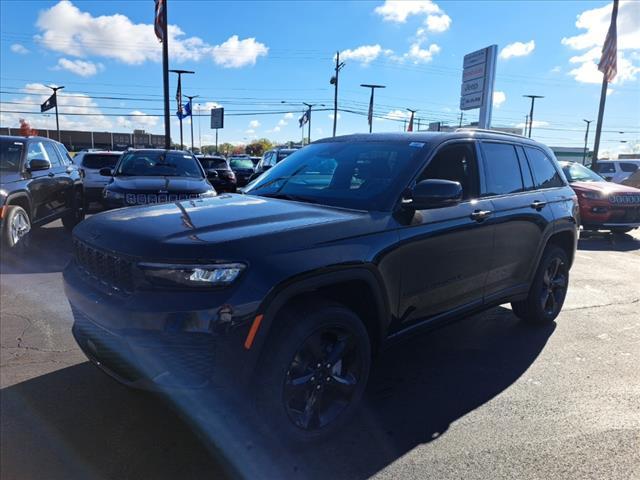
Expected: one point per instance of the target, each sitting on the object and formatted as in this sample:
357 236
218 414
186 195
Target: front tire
548 289
16 228
76 215
316 371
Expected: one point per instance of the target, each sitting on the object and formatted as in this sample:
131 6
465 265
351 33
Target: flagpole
191 117
596 146
165 76
179 100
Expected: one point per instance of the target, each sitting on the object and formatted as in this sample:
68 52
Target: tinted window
283 154
628 167
99 160
363 175
10 155
241 164
268 159
502 169
606 168
545 173
52 153
214 163
159 163
578 173
64 153
457 163
527 178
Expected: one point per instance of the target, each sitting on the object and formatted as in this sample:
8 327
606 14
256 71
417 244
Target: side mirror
38 164
212 173
434 193
106 172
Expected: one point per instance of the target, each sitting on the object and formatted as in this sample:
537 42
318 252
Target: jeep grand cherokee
354 242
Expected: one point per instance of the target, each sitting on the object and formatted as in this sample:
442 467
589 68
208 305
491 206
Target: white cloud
331 116
235 53
556 69
536 123
79 67
65 28
138 120
250 131
282 122
399 10
288 116
19 49
595 23
396 115
254 124
438 23
499 98
364 54
517 49
417 54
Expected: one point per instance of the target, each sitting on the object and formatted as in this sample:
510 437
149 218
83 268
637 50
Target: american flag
410 127
179 113
608 62
158 24
304 119
370 114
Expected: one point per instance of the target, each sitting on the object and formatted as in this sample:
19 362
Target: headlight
215 275
593 195
112 195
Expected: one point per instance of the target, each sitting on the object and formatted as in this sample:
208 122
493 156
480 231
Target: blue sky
251 56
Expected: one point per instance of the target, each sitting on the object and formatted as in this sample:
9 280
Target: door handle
51 174
538 205
480 215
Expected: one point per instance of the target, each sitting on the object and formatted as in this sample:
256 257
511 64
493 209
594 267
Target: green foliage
258 147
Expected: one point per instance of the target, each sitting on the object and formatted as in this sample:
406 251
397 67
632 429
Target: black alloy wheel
322 378
554 287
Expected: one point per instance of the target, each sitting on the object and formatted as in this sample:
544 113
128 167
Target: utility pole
533 100
373 88
191 117
199 128
309 107
460 122
334 82
55 96
179 99
165 76
526 124
586 137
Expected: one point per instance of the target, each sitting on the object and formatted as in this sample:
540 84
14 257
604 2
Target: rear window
606 168
213 163
628 167
241 164
282 155
99 160
544 172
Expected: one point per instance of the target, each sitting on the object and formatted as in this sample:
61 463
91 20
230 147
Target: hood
159 184
603 187
10 177
224 227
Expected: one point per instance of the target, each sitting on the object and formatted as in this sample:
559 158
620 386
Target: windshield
214 163
158 163
282 154
360 175
10 155
241 163
99 160
579 173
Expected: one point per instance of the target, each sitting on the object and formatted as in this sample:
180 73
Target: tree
258 147
26 130
225 148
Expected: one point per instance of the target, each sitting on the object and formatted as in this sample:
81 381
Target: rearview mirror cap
212 174
36 164
434 193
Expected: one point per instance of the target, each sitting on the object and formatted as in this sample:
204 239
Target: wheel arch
21 199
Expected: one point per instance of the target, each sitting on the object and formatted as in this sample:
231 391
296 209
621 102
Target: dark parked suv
38 184
354 242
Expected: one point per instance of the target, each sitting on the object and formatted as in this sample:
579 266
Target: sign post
478 78
217 121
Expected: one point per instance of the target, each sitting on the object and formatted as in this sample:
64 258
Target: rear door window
544 171
455 162
502 169
628 167
606 168
527 177
99 160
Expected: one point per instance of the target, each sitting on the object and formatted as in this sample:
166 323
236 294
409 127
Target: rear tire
548 289
314 376
16 229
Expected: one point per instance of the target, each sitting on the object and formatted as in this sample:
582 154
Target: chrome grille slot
110 270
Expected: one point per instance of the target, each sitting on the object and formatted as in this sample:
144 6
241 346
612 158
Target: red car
603 205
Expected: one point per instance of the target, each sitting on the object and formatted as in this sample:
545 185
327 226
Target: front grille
625 199
152 198
110 270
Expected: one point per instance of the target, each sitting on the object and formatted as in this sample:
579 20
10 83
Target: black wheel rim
322 378
554 286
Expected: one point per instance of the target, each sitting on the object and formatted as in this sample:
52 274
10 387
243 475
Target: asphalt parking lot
484 398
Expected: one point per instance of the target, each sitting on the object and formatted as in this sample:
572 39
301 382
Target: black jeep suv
38 184
352 243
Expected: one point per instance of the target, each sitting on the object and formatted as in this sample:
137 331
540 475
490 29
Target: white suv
89 163
618 170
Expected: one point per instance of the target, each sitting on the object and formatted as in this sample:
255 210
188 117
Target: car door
520 217
41 183
444 253
62 195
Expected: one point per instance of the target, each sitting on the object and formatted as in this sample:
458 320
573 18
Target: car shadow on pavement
606 241
77 423
49 251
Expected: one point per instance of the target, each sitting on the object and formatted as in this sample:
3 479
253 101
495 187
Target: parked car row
617 171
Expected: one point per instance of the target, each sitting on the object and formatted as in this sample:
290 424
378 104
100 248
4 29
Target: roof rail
485 130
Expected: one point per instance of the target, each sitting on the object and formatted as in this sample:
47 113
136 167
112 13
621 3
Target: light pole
370 116
309 107
191 102
55 95
533 100
334 82
179 98
199 130
586 136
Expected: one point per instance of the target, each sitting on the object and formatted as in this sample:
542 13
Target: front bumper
600 215
157 340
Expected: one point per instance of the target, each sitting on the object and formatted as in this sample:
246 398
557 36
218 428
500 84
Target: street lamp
586 136
179 97
533 99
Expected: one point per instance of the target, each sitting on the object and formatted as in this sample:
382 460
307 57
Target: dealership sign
478 77
217 118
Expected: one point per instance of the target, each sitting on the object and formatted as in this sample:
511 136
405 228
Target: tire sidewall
549 255
271 376
7 242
